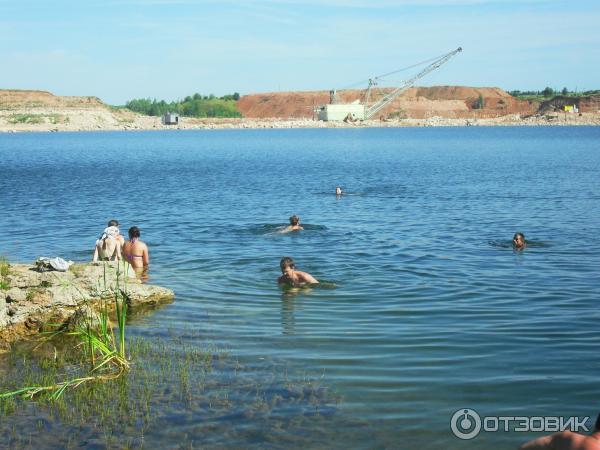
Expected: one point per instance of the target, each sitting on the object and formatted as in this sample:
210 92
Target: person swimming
135 251
518 241
294 224
338 190
108 245
293 277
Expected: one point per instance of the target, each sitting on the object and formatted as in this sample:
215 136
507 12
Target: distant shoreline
147 123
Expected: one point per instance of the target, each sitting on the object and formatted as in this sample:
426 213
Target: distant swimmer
293 277
566 440
108 245
518 241
338 190
294 224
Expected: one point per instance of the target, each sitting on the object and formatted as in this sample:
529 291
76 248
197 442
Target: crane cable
359 83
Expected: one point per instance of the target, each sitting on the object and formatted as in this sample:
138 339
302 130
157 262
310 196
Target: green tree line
548 92
195 105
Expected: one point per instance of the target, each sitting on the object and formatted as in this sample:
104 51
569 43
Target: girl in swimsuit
136 251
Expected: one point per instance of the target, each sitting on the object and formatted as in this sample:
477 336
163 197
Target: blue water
426 308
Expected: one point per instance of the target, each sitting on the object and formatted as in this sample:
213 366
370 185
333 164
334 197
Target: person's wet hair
134 232
113 223
286 262
294 220
518 235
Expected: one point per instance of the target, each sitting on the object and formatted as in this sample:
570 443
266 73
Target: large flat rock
33 299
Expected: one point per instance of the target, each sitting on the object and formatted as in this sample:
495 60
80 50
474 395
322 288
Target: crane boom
374 109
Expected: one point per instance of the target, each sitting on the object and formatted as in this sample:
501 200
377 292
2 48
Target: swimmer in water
294 224
338 190
293 277
518 241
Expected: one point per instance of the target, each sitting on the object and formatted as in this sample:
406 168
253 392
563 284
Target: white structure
170 119
356 111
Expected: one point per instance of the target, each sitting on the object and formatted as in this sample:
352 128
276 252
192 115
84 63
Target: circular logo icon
465 424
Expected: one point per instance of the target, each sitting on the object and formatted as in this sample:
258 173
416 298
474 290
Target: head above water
286 263
294 220
134 233
338 190
113 223
519 240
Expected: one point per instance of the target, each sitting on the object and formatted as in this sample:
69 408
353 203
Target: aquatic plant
4 271
95 337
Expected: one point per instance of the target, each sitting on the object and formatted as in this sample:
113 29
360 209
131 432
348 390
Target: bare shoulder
307 277
570 440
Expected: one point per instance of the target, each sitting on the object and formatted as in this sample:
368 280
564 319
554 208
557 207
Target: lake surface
426 309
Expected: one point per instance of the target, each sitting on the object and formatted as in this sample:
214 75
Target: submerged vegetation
179 382
191 106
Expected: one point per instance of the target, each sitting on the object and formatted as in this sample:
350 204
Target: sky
118 50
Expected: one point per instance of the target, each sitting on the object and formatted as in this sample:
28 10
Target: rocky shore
153 123
30 300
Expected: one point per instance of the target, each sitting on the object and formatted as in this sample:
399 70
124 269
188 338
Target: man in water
567 440
338 190
108 245
293 277
115 223
519 241
294 224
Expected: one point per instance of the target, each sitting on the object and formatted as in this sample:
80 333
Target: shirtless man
567 440
108 246
293 277
294 224
115 223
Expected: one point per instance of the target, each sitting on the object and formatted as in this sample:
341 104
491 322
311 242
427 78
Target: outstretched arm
117 251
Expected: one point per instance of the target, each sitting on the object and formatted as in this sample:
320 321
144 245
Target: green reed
95 337
4 271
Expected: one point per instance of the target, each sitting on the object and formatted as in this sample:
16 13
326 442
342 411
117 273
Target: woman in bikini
135 251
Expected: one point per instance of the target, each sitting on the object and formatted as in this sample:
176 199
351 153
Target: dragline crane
364 111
